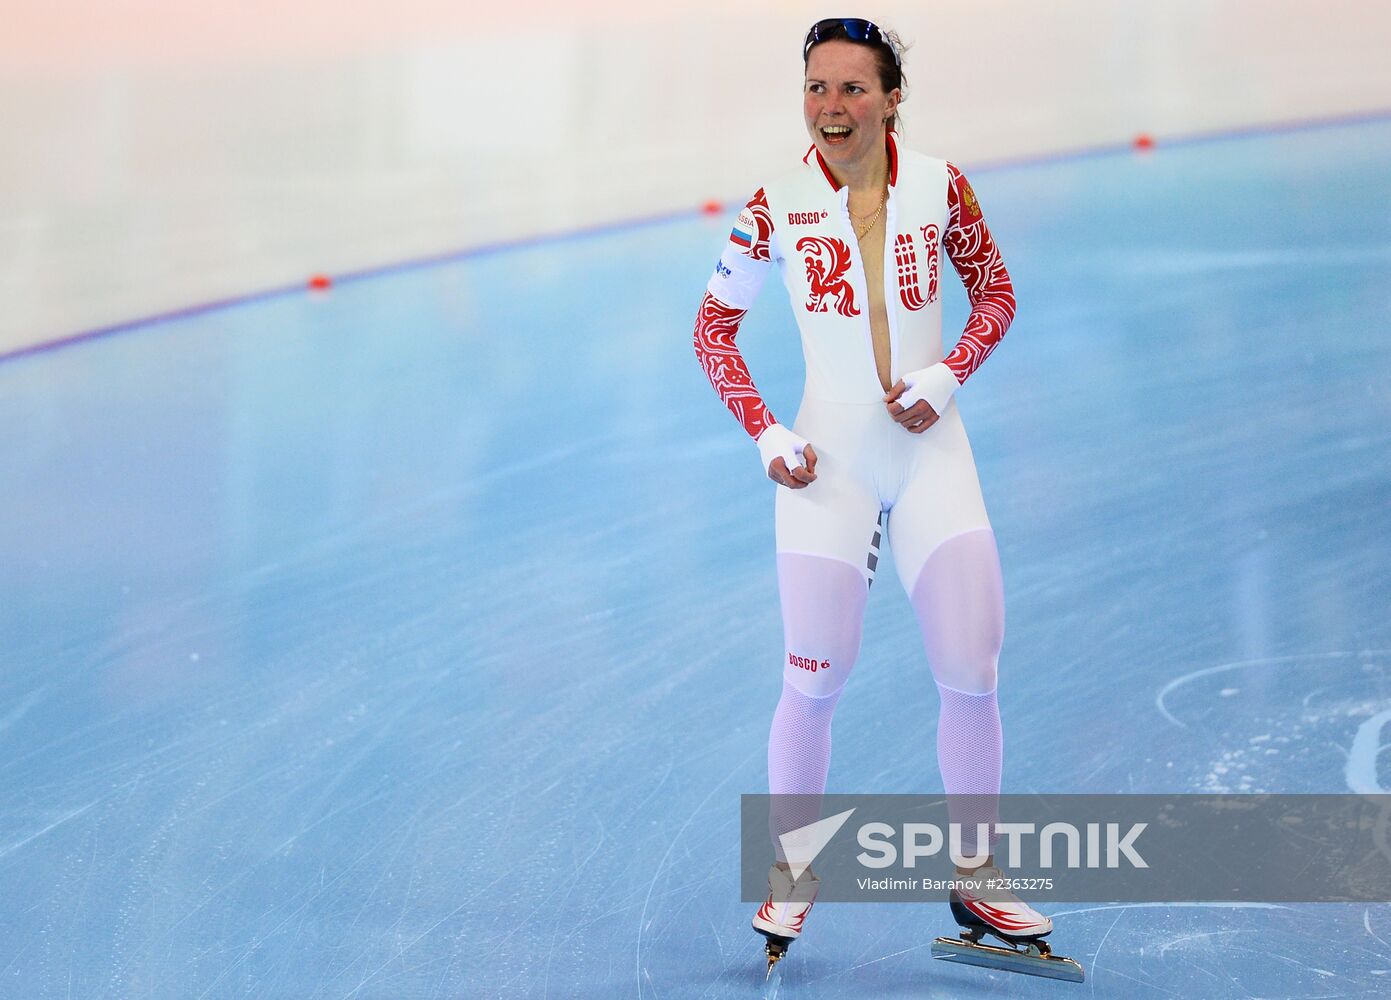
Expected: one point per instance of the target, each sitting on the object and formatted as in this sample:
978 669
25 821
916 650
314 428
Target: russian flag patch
743 232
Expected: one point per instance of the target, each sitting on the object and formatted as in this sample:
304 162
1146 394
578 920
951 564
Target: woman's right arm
716 327
738 277
788 459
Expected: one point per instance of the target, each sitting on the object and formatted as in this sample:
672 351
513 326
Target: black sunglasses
854 28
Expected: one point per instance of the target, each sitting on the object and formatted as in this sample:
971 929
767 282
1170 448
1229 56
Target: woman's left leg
958 598
946 556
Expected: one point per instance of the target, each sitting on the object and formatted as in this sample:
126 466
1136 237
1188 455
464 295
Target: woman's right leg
828 536
823 604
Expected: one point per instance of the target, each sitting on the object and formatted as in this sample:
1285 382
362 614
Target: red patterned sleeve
716 326
739 274
977 260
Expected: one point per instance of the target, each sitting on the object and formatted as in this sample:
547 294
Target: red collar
890 144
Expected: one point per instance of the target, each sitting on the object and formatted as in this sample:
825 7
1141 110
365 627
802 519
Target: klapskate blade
987 956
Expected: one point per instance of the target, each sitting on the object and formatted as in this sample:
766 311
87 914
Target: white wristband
936 383
777 441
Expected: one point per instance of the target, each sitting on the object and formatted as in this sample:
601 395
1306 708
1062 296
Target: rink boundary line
1162 142
643 222
346 277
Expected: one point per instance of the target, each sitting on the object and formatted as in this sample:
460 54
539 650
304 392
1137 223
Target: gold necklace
862 233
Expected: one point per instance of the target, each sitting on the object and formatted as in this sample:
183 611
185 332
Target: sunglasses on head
854 28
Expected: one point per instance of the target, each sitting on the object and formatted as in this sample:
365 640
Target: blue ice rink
418 640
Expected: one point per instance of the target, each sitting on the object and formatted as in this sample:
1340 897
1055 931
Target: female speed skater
857 230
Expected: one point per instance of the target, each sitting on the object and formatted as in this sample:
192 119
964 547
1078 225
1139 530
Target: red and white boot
984 901
986 905
780 919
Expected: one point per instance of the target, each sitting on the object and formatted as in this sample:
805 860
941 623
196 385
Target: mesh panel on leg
970 751
799 758
823 610
960 603
823 606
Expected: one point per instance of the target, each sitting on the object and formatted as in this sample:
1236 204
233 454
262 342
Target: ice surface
418 640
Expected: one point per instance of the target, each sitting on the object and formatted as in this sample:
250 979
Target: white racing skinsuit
871 470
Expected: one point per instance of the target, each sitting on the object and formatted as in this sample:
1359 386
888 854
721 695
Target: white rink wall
159 155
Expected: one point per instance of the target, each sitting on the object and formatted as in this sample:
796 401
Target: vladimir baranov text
943 885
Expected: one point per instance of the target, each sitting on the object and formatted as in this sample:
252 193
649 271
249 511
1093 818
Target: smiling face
844 103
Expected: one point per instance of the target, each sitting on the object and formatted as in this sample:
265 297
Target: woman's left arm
977 260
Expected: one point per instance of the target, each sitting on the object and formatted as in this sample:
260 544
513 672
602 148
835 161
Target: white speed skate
780 919
986 906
